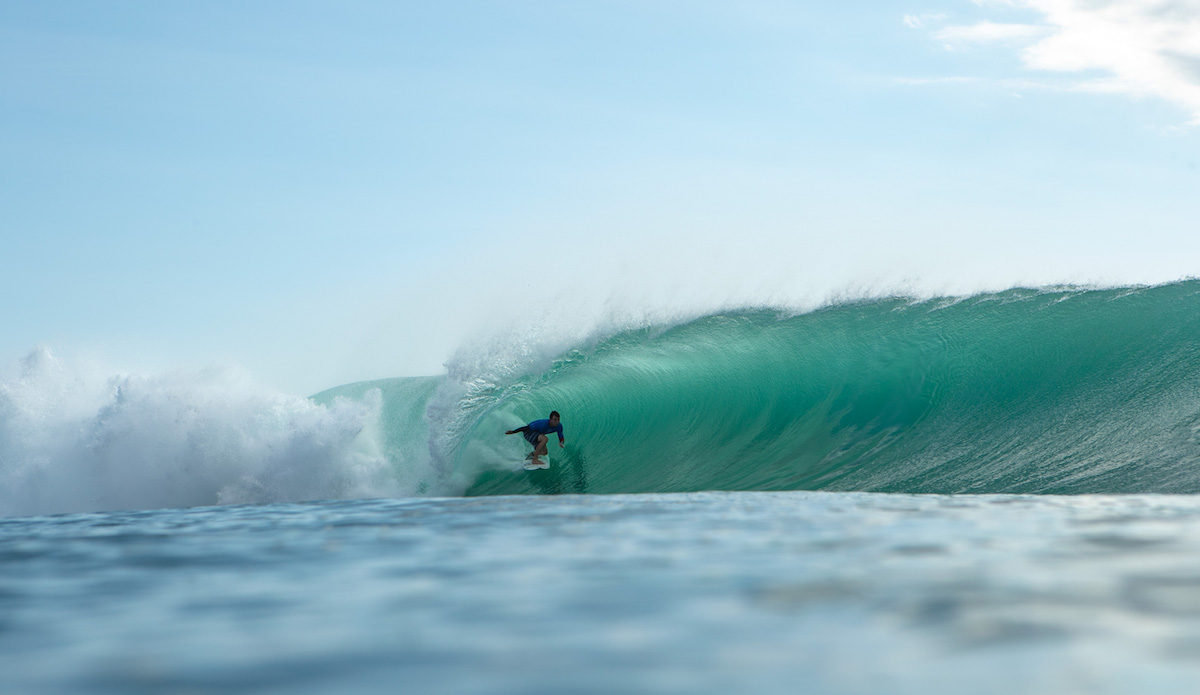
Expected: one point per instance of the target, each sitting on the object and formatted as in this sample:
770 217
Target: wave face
1024 391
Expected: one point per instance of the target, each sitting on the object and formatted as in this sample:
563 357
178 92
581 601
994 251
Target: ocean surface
992 494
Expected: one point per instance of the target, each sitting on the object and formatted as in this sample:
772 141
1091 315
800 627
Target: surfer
538 432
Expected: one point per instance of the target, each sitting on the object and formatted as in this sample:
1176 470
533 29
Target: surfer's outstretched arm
519 429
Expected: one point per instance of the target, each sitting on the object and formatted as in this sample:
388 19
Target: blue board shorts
532 437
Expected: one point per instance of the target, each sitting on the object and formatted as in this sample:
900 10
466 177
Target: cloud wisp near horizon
1138 49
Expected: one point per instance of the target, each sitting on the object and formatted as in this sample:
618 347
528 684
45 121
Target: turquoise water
989 494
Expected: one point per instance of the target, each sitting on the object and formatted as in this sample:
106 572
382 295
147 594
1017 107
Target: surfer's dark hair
554 413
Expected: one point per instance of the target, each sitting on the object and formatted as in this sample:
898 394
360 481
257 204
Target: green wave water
1058 391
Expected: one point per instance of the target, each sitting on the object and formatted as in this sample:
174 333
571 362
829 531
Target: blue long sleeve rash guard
543 427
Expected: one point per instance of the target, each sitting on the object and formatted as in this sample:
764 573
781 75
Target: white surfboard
529 462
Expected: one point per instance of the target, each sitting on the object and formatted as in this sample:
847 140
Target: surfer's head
554 418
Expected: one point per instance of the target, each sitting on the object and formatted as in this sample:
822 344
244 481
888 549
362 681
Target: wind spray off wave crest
78 439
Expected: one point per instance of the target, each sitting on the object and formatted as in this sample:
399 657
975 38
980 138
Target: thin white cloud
1014 86
1137 48
934 80
988 32
914 21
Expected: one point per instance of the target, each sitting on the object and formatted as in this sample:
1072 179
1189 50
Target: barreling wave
1052 390
1058 390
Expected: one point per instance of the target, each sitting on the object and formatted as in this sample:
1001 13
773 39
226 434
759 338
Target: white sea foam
77 438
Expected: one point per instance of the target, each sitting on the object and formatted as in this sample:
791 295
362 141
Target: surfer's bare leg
540 449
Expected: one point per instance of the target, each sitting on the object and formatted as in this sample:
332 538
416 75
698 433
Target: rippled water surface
707 592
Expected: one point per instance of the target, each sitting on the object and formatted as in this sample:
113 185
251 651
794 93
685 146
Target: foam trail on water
78 439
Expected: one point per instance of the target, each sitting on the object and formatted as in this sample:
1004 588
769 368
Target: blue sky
327 192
